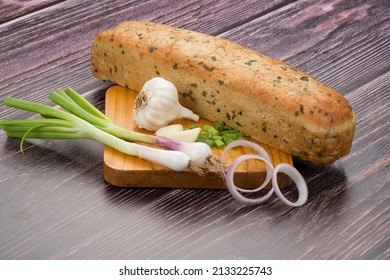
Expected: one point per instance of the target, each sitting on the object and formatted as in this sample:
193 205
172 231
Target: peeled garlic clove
187 136
169 129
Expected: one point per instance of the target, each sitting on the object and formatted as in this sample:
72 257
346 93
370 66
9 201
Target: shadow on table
327 188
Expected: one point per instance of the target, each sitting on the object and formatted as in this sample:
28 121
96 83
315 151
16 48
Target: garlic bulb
157 104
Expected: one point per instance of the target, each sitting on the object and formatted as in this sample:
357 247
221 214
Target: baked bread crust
219 80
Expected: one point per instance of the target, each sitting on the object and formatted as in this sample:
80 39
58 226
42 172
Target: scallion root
212 165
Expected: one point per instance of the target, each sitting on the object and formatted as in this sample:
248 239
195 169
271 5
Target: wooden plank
13 9
129 171
55 205
58 55
51 48
336 41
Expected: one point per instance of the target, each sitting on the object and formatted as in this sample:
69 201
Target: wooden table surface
55 204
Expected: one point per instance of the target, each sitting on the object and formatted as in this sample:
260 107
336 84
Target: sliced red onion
245 143
263 153
272 172
234 190
294 174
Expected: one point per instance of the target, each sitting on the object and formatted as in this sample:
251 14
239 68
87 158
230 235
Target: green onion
74 103
218 135
219 143
84 121
68 126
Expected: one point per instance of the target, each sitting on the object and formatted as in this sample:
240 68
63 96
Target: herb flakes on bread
219 80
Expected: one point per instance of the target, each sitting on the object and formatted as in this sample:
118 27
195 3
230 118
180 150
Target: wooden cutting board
129 171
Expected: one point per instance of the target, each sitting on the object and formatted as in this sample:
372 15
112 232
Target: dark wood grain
11 9
332 40
54 203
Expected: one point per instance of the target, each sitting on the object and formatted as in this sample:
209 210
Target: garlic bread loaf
219 80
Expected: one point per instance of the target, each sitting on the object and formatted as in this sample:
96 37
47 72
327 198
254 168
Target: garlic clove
169 129
187 136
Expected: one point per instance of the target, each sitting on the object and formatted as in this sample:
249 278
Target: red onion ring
272 172
294 174
245 143
263 153
234 190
